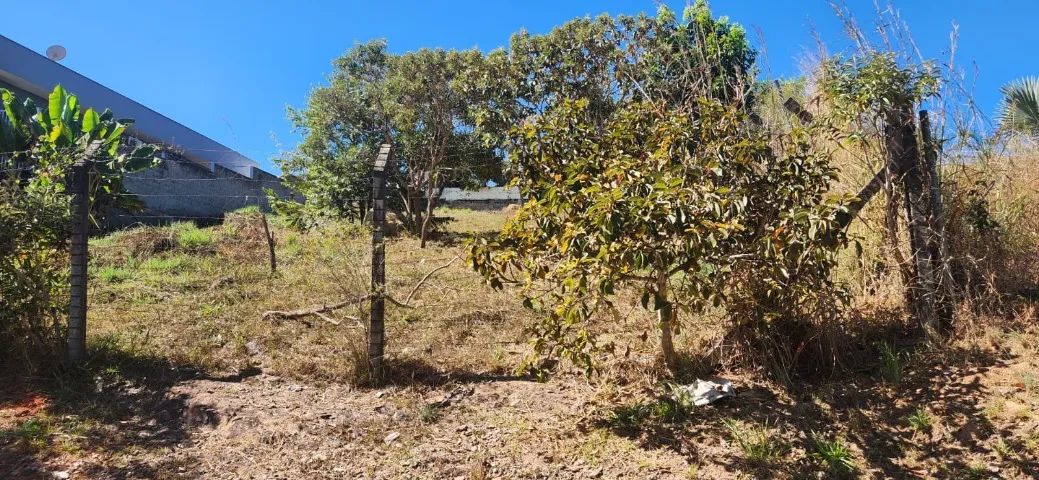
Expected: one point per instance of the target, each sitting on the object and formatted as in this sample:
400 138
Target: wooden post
269 235
937 241
795 108
376 329
902 150
78 256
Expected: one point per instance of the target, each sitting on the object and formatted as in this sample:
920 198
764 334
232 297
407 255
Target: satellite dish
56 52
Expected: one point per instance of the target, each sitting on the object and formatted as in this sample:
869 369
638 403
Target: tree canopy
412 100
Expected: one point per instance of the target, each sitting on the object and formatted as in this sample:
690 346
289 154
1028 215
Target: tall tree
608 62
414 100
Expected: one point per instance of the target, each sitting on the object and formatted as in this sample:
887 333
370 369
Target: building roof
37 75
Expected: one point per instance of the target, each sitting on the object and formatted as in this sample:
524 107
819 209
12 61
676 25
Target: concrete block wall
179 189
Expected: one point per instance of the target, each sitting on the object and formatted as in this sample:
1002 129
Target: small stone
391 437
593 473
252 348
62 475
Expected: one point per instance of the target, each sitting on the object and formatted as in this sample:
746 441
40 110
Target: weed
1031 385
629 416
834 453
977 471
428 413
892 363
1003 449
920 420
758 443
34 432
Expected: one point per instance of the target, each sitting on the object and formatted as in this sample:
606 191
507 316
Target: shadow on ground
116 402
412 371
874 416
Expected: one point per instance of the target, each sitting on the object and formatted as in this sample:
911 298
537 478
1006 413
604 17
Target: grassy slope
177 311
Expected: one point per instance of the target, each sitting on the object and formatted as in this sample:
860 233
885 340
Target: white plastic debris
704 392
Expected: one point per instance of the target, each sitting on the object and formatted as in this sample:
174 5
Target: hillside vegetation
191 381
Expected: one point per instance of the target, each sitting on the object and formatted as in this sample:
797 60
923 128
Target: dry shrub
144 242
992 211
243 238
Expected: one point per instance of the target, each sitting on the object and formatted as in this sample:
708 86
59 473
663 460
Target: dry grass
200 307
451 400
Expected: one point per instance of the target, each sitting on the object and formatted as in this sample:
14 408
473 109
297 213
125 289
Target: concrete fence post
78 256
376 328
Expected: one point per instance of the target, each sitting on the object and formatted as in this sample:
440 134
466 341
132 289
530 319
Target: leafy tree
689 209
609 62
415 101
1019 111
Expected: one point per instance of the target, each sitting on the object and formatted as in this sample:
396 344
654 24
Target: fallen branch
287 315
407 301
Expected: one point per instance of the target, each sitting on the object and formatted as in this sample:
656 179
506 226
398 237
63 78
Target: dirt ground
262 426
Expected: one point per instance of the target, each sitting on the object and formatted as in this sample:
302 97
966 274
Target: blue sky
229 68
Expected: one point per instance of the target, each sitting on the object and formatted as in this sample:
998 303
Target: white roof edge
37 74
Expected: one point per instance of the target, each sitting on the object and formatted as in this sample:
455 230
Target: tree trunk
427 219
666 317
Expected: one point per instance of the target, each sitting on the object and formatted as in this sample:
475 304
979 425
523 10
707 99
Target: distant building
198 179
488 198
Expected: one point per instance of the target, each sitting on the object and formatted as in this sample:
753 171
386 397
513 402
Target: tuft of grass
834 453
248 209
759 444
920 420
892 363
190 237
112 274
428 413
1004 449
632 417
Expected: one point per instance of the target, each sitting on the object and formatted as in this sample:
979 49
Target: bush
692 210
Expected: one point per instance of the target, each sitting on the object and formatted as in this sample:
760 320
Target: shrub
693 211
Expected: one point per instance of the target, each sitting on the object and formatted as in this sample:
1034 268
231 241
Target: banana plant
53 139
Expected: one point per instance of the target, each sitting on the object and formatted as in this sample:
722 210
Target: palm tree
1019 111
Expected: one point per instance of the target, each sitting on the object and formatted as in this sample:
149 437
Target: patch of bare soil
981 423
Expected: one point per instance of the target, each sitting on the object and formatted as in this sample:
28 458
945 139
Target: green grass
920 420
892 363
113 274
663 410
835 454
760 443
164 264
190 237
34 432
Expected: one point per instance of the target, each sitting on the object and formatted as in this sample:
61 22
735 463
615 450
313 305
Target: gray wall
182 190
482 205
